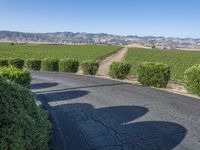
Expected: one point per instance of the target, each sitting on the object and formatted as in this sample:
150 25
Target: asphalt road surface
90 113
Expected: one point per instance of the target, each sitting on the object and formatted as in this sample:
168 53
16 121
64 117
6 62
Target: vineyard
79 52
178 61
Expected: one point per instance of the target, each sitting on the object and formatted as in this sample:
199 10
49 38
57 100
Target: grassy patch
40 51
178 61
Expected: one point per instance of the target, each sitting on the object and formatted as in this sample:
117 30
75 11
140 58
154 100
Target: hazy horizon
171 18
102 33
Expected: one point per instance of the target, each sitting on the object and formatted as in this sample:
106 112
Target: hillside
101 38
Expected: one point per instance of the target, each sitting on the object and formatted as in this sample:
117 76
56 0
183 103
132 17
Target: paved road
93 113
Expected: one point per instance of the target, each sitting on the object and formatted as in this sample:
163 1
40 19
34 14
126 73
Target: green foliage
192 79
33 64
89 67
153 74
16 75
50 64
68 65
23 125
119 70
177 60
41 51
3 62
16 62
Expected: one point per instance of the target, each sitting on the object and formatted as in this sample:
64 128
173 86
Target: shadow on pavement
61 95
82 87
114 128
81 126
43 85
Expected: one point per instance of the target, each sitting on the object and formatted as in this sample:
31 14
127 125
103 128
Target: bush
68 65
33 64
192 79
153 74
23 125
90 67
16 62
49 64
3 62
119 70
16 75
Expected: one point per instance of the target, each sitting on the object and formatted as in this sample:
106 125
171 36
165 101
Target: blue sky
177 18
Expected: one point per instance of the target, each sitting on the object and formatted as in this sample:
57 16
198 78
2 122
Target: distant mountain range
100 38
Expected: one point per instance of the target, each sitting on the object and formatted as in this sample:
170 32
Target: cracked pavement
90 113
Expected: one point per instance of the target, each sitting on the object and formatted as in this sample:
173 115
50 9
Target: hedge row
23 125
63 65
158 75
149 73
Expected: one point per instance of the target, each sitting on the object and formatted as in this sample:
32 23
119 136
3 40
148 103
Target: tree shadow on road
115 127
62 95
43 85
82 126
76 88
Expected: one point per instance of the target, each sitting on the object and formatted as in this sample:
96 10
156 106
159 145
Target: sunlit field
178 61
80 52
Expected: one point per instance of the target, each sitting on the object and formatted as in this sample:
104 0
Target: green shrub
192 79
16 75
16 62
33 64
3 62
119 70
23 125
89 67
49 64
68 65
153 74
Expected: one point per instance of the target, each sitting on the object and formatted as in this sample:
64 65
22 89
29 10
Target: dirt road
116 57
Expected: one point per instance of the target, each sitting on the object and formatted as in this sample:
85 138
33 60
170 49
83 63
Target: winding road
90 113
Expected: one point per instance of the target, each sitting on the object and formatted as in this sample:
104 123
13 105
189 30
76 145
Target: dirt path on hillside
116 57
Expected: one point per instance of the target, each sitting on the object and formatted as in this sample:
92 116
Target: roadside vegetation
49 64
68 65
16 75
23 124
3 62
153 74
89 67
192 79
16 62
119 70
33 64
